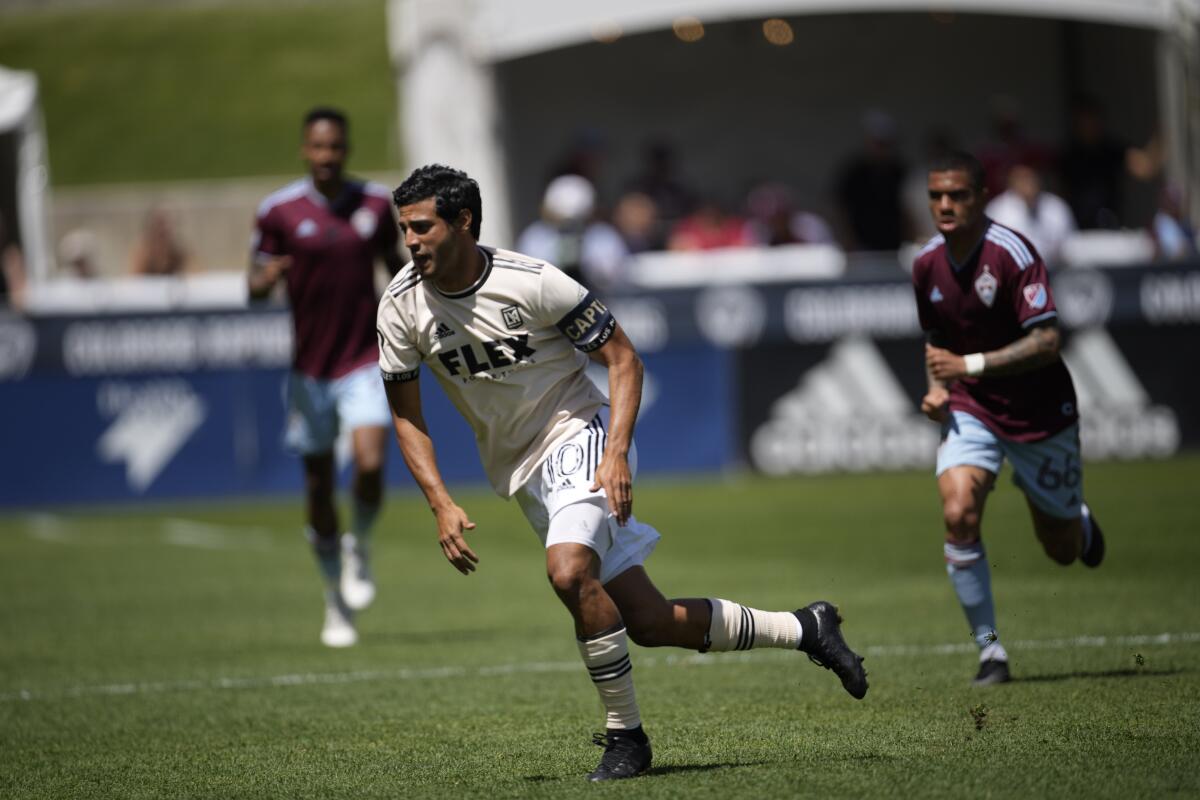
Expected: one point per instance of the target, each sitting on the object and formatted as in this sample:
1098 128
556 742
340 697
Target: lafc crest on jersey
985 286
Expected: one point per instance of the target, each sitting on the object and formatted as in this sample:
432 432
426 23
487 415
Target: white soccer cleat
339 623
358 588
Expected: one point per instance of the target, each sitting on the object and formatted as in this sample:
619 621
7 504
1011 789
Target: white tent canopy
445 52
21 116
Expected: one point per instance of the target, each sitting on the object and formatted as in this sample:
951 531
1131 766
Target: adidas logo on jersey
936 295
442 331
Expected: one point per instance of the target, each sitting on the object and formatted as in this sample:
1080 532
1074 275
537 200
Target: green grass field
142 91
172 652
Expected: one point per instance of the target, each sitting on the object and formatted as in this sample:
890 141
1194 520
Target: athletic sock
1085 518
606 656
328 554
362 519
967 566
738 627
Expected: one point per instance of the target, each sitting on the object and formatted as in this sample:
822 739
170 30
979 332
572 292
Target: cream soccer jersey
509 351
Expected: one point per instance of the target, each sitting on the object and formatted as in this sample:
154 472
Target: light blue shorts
318 409
1049 472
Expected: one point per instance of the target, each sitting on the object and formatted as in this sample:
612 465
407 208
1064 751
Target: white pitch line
206 536
534 667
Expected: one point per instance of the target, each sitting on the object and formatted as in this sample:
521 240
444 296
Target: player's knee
962 519
568 578
1060 544
649 626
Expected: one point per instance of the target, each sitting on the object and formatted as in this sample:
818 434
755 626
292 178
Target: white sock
993 652
606 657
738 627
1085 517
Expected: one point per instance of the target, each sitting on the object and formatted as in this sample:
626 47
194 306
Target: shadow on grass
666 770
1108 673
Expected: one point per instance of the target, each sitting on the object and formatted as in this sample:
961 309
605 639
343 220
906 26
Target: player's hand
944 365
935 404
275 267
614 477
452 521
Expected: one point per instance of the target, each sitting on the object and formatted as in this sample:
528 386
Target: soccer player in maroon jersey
322 236
1000 390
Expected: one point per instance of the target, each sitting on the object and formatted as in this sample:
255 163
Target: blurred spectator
710 227
777 221
1044 218
636 219
12 270
1008 147
659 181
157 251
77 254
590 251
1093 168
585 156
868 189
1174 238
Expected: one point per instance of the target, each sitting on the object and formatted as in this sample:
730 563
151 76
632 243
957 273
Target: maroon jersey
986 303
331 283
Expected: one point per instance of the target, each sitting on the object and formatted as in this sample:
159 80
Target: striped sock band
606 656
738 627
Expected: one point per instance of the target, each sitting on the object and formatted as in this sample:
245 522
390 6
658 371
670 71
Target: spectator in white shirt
1044 218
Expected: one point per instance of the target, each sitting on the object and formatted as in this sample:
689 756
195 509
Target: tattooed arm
1035 349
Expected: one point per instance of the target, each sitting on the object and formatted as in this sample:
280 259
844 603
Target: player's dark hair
451 189
961 161
329 114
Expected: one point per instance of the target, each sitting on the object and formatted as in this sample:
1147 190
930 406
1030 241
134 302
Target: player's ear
464 220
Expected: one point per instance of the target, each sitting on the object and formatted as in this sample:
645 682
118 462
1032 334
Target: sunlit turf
172 651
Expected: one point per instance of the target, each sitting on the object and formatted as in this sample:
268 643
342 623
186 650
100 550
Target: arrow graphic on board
151 428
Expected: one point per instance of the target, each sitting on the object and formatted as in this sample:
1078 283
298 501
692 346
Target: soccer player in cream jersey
509 337
1000 390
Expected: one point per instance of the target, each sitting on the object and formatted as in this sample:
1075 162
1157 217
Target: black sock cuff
591 637
808 622
637 734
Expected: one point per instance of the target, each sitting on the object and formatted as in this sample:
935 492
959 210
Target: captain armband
400 377
589 325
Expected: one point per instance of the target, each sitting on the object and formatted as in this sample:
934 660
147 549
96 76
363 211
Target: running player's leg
312 426
1050 474
968 460
714 624
363 411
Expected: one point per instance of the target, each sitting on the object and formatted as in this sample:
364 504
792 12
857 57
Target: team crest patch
363 221
305 229
985 286
1035 295
512 317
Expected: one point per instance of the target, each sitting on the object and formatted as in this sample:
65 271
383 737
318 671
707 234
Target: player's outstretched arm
624 397
404 397
1035 349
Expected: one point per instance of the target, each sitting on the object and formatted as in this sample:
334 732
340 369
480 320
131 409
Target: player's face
433 243
325 149
953 202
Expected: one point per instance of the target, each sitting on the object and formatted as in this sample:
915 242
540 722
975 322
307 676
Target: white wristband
973 362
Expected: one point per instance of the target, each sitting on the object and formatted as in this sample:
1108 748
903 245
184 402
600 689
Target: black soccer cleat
1095 552
829 650
627 754
990 672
